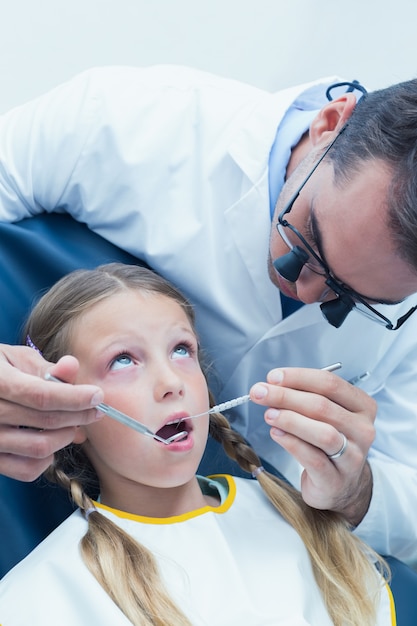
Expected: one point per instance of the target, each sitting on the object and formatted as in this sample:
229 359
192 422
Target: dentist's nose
311 287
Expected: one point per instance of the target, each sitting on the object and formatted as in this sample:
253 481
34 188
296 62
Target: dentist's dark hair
383 126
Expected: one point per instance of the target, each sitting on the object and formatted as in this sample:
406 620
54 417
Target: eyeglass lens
292 240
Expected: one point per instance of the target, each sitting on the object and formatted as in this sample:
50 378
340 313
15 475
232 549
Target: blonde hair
343 566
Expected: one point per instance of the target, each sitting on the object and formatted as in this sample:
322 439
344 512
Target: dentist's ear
331 118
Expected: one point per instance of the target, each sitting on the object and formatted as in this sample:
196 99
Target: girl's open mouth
170 429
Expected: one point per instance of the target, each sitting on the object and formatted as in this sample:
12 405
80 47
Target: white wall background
269 43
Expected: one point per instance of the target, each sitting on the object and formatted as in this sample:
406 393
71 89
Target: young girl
151 542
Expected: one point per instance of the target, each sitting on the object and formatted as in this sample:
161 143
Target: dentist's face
346 224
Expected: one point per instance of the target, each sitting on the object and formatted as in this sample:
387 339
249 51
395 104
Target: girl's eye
182 351
121 361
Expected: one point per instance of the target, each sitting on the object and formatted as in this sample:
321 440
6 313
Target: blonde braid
343 566
125 569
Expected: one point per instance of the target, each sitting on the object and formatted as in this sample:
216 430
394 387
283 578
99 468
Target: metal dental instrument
220 407
242 399
357 380
331 368
126 420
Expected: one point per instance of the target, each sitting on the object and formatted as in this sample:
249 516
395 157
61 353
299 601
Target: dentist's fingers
311 413
36 417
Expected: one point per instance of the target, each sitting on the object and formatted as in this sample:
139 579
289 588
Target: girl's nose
168 383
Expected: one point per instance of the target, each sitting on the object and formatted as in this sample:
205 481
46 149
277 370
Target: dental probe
242 399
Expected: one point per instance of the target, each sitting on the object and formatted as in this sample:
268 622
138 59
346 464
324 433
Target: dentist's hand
49 413
315 415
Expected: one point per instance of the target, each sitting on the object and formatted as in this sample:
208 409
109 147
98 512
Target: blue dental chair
34 253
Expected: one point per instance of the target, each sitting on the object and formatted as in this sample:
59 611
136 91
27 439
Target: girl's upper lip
176 417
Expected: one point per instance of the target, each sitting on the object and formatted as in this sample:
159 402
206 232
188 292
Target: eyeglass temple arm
351 85
288 208
403 318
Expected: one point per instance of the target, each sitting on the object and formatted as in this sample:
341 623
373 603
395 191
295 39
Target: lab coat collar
251 147
249 218
249 228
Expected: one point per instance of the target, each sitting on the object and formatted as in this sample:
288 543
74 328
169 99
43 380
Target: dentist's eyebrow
318 240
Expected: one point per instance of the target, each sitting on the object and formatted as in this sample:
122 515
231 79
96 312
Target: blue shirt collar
292 127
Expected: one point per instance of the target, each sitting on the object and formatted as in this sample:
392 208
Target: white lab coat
171 164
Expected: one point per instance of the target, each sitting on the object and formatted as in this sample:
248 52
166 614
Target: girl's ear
331 119
80 435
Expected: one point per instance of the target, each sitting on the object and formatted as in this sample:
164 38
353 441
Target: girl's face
141 350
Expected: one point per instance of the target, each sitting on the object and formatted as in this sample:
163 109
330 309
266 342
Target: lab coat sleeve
109 142
40 144
390 524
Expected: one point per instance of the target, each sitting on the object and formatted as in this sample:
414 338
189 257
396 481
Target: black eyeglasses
290 265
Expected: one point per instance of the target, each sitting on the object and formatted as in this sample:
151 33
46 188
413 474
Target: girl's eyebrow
318 241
